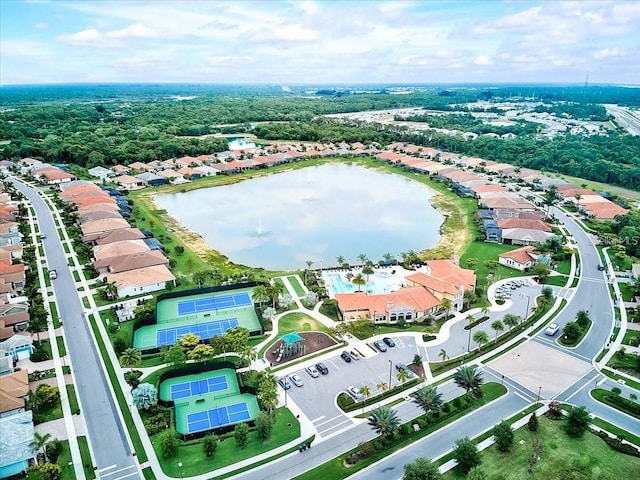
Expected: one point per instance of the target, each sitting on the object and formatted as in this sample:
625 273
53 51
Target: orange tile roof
488 188
520 255
416 298
451 272
507 223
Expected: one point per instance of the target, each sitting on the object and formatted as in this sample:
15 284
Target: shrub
555 411
532 424
119 345
366 449
169 442
39 354
456 402
503 436
240 433
616 390
54 449
133 378
446 408
209 444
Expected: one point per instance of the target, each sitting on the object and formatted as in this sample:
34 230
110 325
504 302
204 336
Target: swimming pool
379 282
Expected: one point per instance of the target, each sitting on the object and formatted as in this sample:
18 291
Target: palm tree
384 420
131 357
485 311
200 278
382 386
446 305
274 290
468 377
470 319
363 258
428 399
341 261
402 375
443 355
260 295
37 324
365 391
511 320
480 337
498 327
309 263
358 280
367 270
111 290
40 442
388 258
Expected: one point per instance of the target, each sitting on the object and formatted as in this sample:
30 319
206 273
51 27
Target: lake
279 221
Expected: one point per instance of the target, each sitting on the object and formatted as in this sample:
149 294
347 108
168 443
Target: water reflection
318 213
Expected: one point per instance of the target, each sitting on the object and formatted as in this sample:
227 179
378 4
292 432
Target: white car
312 371
355 393
552 329
296 380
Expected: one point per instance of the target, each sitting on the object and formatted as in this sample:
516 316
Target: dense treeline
124 127
579 111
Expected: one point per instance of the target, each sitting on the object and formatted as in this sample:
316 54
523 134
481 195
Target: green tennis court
208 400
204 315
217 382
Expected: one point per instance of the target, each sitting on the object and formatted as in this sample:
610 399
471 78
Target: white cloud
295 33
608 52
137 30
483 60
41 25
85 38
23 48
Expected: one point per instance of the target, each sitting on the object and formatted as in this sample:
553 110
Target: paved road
110 447
627 119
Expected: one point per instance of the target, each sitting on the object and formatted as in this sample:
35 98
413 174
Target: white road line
335 426
108 468
327 421
586 384
117 471
318 419
126 476
526 399
601 381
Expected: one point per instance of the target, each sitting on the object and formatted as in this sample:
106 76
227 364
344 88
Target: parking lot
317 398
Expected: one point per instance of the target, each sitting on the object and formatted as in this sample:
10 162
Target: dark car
380 346
389 342
601 267
284 383
322 368
402 366
345 356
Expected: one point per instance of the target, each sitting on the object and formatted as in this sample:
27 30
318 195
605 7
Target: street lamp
526 314
539 390
390 365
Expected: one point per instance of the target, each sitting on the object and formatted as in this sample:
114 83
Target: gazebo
292 344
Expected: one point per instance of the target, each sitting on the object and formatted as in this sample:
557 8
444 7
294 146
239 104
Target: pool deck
391 282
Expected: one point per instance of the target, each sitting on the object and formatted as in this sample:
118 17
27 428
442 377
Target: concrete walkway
58 428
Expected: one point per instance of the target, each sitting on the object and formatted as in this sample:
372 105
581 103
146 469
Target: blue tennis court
199 387
169 336
216 417
189 307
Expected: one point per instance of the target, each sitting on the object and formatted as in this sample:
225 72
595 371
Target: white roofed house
172 176
101 172
142 281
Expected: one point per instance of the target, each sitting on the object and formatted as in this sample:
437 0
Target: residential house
14 388
117 249
133 261
519 259
16 451
119 235
12 276
128 182
95 229
152 180
172 176
53 175
19 347
524 236
101 172
142 280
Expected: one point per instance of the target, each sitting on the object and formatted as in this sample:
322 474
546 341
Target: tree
210 444
175 356
264 423
201 353
402 375
497 327
131 358
309 263
472 263
480 337
547 294
532 424
417 360
540 271
443 355
468 378
428 399
388 258
582 319
145 396
363 258
382 386
384 420
365 391
341 261
503 436
260 295
550 195
367 270
189 341
421 469
469 298
477 473
466 454
50 471
169 442
36 325
571 332
359 281
53 450
266 390
577 421
446 305
511 320
39 442
241 433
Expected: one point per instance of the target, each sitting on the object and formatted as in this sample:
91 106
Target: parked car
53 274
345 356
380 346
552 329
601 267
297 380
312 371
43 235
389 342
322 368
355 393
402 366
284 383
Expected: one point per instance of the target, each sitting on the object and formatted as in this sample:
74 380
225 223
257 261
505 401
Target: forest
123 124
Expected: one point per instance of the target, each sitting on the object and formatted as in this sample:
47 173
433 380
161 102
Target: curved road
110 447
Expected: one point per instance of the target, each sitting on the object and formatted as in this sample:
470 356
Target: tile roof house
524 236
409 304
519 259
142 280
101 172
53 175
117 249
128 182
19 347
119 236
445 279
507 223
16 452
12 275
92 230
13 392
129 262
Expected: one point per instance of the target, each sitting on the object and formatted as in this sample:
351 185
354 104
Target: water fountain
260 231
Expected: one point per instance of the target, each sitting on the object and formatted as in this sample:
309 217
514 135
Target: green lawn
62 351
296 285
561 457
73 400
194 461
562 340
294 322
89 473
557 280
50 412
564 267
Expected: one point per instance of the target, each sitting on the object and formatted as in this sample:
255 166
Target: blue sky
296 42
